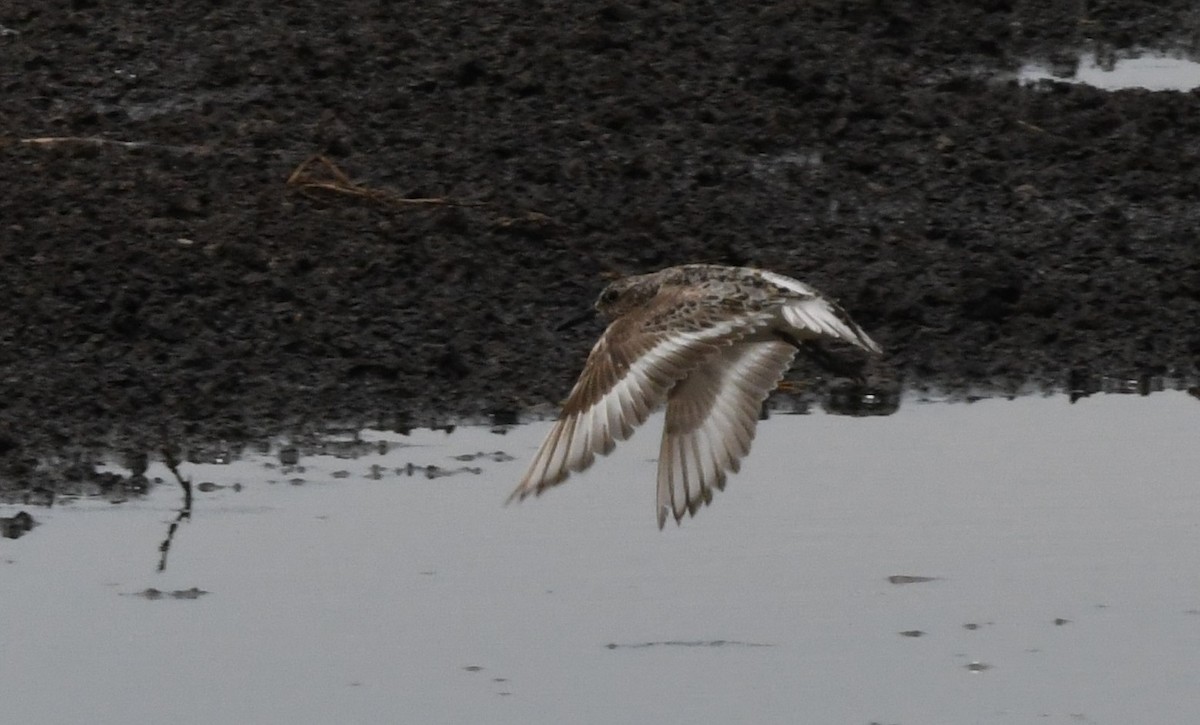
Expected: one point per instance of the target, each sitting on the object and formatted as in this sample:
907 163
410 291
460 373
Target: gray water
1151 71
1061 542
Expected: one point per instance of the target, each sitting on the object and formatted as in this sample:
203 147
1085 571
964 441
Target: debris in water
152 593
17 525
906 579
431 471
208 486
497 456
679 643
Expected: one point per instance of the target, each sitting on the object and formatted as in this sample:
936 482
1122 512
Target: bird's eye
609 296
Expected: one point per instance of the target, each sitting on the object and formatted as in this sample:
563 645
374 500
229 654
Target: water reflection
120 476
317 580
171 461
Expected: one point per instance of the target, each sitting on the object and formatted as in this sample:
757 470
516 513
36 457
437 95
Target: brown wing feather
628 374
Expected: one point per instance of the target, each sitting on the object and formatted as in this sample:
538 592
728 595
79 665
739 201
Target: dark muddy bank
986 233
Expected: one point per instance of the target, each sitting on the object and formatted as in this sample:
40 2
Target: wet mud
483 170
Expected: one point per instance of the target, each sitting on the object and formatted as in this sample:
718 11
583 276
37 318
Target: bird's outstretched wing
813 315
627 375
820 316
711 417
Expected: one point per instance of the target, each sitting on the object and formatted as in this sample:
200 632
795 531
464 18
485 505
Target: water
1152 71
1061 543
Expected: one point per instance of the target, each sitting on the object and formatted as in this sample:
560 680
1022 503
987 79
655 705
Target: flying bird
710 341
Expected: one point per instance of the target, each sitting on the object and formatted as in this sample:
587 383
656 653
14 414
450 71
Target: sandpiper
712 342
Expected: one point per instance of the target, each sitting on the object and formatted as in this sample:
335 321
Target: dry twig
83 140
52 141
335 180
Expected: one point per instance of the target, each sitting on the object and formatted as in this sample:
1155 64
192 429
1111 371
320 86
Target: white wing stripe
816 315
574 441
730 388
788 283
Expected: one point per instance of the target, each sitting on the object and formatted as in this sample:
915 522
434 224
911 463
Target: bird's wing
819 316
812 314
711 416
627 375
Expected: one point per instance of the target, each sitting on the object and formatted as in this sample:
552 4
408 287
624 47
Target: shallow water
1062 544
1151 71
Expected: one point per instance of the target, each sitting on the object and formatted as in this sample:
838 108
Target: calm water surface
1150 70
1062 540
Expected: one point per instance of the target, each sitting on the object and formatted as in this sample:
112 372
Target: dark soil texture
160 275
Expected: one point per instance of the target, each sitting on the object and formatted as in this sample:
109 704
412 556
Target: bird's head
626 294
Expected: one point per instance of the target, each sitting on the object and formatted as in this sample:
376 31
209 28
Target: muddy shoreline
162 279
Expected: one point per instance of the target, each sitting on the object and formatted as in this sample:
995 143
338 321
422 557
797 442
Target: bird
711 342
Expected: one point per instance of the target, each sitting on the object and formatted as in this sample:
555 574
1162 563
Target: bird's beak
574 321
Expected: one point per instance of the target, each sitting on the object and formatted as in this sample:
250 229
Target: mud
161 278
